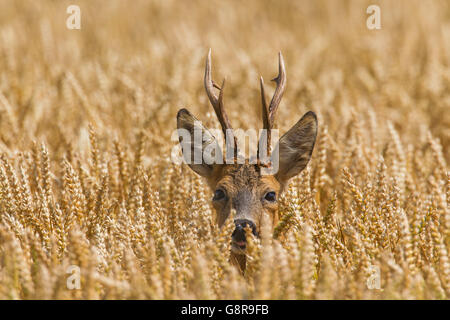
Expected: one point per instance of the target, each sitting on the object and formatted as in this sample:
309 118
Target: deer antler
268 113
217 102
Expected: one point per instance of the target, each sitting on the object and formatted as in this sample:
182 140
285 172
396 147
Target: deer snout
238 235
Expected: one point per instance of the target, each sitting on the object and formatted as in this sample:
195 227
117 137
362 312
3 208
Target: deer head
242 186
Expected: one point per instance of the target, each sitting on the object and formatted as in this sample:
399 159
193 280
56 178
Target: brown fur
239 179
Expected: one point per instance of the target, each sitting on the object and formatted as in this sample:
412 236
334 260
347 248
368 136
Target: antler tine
265 111
217 102
209 84
280 80
268 113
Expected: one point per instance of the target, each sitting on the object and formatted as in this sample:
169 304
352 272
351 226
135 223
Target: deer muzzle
238 238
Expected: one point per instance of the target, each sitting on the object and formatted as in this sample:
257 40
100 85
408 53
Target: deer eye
270 196
219 194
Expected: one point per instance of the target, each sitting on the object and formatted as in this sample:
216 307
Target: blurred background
132 65
86 118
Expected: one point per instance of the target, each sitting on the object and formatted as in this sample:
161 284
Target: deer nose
239 231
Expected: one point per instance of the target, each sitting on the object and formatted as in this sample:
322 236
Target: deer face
244 187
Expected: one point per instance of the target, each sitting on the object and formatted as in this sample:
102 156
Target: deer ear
201 151
295 147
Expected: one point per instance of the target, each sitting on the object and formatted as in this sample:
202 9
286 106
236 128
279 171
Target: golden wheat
86 178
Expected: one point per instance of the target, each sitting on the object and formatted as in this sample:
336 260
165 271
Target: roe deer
242 186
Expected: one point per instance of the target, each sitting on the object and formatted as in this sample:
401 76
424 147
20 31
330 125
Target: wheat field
86 177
